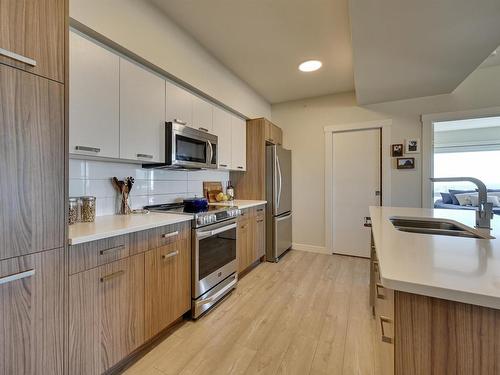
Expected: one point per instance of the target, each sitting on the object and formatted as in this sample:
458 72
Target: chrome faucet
484 213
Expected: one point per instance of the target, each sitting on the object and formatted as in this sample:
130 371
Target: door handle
145 156
179 121
279 179
16 276
112 276
170 255
102 252
17 57
385 338
209 161
168 235
203 129
88 149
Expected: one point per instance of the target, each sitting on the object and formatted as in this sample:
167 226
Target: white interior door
356 186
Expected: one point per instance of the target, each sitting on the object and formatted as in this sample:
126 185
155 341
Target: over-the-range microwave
187 148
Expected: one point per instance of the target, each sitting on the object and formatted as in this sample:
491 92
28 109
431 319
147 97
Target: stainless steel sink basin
436 226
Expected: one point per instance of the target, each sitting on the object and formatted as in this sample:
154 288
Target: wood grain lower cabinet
244 244
32 313
251 237
106 315
31 162
168 285
260 233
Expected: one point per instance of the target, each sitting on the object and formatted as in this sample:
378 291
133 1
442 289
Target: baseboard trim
311 248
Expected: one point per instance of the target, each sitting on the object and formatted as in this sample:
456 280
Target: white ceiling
405 49
263 42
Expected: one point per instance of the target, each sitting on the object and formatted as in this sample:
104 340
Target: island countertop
453 268
116 225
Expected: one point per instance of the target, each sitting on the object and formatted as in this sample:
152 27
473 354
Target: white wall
303 122
151 186
140 27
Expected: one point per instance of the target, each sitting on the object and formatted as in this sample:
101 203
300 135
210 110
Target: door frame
428 144
385 126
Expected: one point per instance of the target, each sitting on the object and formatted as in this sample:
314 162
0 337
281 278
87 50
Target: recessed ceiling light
310 66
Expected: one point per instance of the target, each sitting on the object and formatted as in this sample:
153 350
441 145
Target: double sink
436 226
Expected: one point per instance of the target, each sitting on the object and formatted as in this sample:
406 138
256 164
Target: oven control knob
213 218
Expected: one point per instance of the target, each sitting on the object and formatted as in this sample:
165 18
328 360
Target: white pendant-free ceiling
264 41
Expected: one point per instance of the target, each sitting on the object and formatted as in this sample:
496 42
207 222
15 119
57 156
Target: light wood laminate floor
307 314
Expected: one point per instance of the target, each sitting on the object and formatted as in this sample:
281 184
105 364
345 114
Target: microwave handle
209 161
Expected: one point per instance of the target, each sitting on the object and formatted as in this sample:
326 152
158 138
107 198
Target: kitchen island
435 298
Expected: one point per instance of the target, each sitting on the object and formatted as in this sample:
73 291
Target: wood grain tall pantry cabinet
32 184
252 183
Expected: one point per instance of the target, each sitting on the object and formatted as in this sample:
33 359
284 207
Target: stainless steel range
213 249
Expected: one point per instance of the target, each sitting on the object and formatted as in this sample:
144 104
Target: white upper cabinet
239 143
179 105
142 114
94 126
202 115
222 129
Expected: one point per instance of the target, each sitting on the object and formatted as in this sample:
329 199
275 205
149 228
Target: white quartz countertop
453 268
240 203
115 225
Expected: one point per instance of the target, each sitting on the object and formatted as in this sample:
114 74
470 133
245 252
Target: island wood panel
436 336
168 285
31 163
106 315
96 253
252 183
32 312
34 29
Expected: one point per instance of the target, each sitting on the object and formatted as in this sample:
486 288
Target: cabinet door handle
102 252
239 167
112 276
88 149
260 221
379 287
168 235
223 165
204 129
145 156
385 338
170 255
260 209
179 121
16 276
17 57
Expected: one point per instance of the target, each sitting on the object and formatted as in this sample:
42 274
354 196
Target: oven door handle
209 233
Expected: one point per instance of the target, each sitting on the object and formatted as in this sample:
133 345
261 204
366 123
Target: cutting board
211 189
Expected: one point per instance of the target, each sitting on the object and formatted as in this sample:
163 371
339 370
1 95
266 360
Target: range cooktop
207 216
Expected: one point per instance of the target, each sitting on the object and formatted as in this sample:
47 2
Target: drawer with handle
96 253
169 234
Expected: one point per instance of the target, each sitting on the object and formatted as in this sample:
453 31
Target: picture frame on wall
397 150
405 163
412 146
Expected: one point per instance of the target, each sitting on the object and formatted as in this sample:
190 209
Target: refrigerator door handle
280 179
281 218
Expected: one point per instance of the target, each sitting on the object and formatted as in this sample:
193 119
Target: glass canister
88 209
73 211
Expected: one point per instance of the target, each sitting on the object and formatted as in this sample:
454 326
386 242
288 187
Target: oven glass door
216 251
190 149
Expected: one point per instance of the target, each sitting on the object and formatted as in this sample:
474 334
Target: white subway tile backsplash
101 188
77 187
167 187
155 186
141 187
167 175
77 168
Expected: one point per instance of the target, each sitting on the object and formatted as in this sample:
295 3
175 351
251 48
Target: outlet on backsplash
151 186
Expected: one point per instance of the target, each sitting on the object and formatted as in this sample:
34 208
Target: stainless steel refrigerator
279 201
